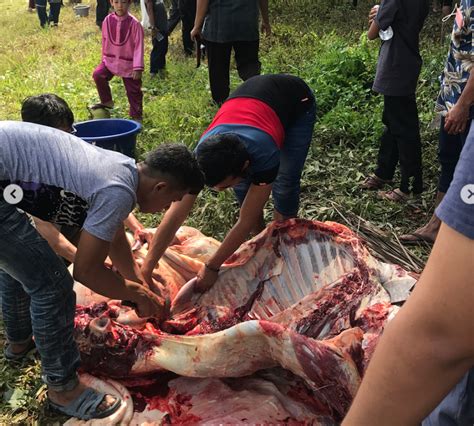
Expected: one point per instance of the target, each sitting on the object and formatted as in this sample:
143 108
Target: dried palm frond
383 245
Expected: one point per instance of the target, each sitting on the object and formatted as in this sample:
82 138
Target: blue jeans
457 408
286 188
37 298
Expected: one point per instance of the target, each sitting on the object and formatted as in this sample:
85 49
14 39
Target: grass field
318 40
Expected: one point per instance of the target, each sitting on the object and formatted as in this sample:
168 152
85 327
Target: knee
97 75
249 70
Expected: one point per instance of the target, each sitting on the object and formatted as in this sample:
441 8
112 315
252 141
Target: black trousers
174 16
101 11
184 11
401 143
158 53
218 57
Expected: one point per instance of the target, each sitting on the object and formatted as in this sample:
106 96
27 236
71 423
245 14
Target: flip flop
20 356
373 182
414 239
85 406
395 195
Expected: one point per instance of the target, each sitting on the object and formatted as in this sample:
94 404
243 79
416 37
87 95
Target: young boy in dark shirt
398 23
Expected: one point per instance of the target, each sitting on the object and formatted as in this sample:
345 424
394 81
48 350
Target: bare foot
427 233
64 398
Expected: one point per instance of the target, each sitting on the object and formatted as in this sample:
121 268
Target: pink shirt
122 44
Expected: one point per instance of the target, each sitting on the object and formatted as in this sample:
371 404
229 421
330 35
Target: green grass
320 41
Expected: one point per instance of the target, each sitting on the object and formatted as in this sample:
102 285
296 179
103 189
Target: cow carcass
290 324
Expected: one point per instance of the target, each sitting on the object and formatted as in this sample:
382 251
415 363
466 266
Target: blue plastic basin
116 134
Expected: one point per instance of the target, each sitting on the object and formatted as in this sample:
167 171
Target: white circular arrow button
467 194
13 194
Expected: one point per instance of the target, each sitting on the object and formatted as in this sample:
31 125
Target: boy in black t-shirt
398 23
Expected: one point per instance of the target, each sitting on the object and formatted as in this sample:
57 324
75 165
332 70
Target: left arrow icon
13 194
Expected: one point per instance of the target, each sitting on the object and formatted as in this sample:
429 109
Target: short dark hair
178 162
221 156
47 109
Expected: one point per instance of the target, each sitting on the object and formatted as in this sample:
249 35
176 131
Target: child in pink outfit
122 55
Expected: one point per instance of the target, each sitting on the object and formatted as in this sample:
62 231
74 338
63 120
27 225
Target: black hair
221 156
49 110
177 161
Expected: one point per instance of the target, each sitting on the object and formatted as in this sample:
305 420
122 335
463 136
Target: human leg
218 60
387 158
30 263
46 284
41 10
102 76
135 97
406 131
158 53
101 11
246 58
174 16
54 10
188 14
449 150
286 188
16 313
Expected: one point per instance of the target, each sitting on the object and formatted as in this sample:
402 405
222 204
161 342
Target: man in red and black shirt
257 144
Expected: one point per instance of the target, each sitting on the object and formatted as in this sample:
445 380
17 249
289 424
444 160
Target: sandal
85 406
395 195
373 182
19 356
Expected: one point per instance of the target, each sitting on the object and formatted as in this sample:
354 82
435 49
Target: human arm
250 214
151 13
374 29
138 51
201 12
380 18
428 346
458 116
89 269
266 27
122 259
58 242
164 234
140 233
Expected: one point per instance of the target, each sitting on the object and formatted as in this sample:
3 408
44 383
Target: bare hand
372 14
148 303
136 75
266 28
144 235
456 119
196 34
154 32
205 279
